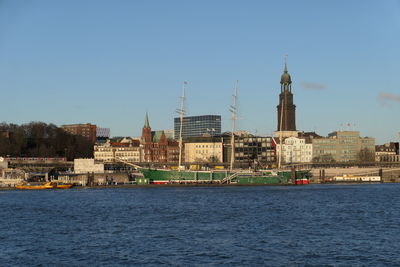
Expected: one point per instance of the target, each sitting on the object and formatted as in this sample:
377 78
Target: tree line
38 139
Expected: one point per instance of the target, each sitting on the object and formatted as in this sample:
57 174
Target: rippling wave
330 225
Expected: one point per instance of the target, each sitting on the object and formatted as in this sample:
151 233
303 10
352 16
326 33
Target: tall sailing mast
280 135
281 121
181 112
233 110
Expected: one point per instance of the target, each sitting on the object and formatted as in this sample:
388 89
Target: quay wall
95 178
388 174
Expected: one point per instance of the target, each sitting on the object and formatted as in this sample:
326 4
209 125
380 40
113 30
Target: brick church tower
146 140
286 108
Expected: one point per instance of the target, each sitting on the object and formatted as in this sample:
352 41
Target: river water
314 225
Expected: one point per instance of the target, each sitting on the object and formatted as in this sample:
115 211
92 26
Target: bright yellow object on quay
41 186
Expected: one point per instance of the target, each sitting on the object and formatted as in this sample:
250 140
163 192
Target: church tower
146 140
146 130
286 108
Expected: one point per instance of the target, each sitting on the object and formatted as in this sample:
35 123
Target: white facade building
295 150
126 150
203 152
87 165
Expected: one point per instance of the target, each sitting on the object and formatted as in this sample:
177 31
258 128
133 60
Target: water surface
332 225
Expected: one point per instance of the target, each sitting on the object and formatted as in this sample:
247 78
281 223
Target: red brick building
86 130
157 147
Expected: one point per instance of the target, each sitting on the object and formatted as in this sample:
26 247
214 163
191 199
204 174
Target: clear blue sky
108 62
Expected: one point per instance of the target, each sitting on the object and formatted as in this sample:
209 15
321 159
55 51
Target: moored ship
356 179
34 186
157 176
41 186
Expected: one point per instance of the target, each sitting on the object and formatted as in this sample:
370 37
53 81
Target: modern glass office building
195 126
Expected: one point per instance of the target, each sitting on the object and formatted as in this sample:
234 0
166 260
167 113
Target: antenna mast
233 110
181 112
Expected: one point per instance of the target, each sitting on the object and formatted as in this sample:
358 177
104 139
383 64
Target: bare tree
366 155
38 139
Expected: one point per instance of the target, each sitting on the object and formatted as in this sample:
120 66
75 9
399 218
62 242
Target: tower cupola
285 78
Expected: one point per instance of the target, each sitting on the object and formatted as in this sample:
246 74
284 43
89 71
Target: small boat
41 186
35 186
62 185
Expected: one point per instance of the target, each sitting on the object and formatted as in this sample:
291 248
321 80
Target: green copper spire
285 70
285 78
146 121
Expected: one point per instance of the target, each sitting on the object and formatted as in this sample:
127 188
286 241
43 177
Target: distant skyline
110 62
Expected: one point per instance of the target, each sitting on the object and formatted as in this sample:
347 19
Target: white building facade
124 150
87 165
203 152
295 150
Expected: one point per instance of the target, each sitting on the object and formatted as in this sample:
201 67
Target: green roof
146 121
156 136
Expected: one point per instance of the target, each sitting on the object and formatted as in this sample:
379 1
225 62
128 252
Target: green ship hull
154 176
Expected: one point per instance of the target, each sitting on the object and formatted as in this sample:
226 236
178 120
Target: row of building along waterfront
205 143
305 147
